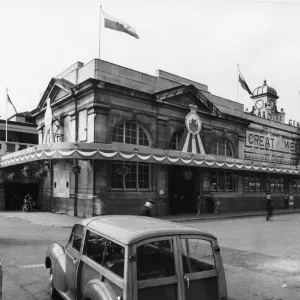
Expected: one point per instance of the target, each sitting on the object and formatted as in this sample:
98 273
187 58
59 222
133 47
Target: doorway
182 190
15 193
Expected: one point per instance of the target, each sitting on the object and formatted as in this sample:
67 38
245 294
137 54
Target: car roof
131 229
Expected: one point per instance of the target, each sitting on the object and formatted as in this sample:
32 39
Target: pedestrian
216 204
174 203
269 207
286 200
291 202
199 201
147 208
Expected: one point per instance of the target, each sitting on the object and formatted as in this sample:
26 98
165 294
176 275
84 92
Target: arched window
175 140
222 147
130 133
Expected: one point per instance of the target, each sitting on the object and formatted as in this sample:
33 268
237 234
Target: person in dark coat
269 207
147 208
286 200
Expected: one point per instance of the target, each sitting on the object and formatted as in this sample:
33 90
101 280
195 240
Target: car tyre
52 291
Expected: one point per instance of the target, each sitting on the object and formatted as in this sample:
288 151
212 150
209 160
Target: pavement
64 220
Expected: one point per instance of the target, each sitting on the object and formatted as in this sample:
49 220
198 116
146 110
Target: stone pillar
241 143
40 133
73 126
2 195
162 132
101 123
91 114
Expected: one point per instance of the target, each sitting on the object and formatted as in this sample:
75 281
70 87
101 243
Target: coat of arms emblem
192 121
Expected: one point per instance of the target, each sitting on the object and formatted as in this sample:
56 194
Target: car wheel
52 291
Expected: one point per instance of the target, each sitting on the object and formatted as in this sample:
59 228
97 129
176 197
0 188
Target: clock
272 104
259 104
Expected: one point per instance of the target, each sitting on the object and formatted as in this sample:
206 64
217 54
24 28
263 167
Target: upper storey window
223 148
130 133
175 140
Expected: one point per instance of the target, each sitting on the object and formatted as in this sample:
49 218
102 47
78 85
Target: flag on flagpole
9 101
116 24
243 82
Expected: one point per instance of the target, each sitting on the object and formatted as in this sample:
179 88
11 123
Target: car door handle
75 260
187 280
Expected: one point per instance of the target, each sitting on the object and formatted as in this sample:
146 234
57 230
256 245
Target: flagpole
237 84
100 30
6 120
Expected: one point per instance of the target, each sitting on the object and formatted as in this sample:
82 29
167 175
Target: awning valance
128 153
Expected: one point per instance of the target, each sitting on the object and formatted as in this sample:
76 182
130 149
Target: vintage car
136 258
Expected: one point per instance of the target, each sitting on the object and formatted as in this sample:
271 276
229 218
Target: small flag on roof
243 82
116 24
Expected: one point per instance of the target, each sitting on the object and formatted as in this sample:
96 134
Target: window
82 125
130 175
105 252
95 247
222 147
130 133
155 260
246 182
277 183
174 143
76 237
197 255
213 181
223 180
253 182
294 185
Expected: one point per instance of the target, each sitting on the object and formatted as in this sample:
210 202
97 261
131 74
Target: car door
73 251
156 270
199 268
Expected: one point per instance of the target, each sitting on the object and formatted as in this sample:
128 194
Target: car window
155 260
197 255
114 258
95 247
77 237
105 252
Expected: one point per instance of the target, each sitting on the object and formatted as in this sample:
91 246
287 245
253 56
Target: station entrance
183 190
15 192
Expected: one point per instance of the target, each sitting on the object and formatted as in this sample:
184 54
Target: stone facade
122 112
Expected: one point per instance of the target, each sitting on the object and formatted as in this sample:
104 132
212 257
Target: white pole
6 117
237 86
100 30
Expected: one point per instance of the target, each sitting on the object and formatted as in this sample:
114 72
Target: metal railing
11 147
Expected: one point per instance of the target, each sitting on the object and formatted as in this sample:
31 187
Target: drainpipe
75 160
51 184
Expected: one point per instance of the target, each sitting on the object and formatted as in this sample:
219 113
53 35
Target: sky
202 40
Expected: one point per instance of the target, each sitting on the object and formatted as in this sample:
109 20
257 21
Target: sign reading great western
270 142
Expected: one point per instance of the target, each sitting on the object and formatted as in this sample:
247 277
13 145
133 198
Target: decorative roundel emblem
193 123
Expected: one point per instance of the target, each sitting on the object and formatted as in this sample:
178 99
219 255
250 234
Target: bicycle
28 204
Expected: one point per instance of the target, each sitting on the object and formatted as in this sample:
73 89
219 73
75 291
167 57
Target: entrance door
182 190
15 193
199 268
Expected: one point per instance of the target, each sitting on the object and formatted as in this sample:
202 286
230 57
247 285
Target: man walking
269 207
147 208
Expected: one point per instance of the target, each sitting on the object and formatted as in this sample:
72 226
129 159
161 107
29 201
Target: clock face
272 103
259 104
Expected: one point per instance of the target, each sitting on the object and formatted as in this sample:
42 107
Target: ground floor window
253 182
277 184
223 180
296 185
130 175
